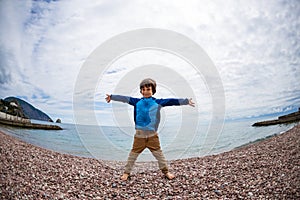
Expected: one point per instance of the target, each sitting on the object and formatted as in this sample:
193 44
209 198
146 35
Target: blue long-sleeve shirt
147 110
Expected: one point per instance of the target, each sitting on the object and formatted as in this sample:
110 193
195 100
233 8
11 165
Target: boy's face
146 91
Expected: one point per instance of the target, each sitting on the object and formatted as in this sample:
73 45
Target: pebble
218 192
267 169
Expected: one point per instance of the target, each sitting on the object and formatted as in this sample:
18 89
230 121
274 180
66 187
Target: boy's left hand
108 98
191 103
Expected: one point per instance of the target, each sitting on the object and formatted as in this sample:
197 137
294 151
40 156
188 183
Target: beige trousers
143 140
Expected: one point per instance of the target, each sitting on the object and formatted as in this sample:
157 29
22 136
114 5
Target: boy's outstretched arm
175 102
125 99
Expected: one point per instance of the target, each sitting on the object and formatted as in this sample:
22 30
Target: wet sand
268 169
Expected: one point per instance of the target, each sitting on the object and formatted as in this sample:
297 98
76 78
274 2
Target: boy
147 118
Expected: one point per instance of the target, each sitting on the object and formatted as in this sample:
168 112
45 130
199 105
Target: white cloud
254 45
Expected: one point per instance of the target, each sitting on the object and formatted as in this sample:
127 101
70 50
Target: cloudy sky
253 44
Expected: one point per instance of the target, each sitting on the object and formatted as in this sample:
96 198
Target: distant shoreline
30 125
11 120
289 118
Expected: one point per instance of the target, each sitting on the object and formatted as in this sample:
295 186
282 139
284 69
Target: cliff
17 112
21 108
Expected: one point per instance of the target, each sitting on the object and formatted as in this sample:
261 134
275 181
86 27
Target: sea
114 143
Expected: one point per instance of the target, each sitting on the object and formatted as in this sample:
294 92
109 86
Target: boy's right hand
191 103
108 98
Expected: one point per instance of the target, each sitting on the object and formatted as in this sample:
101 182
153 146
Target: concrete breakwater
24 123
289 118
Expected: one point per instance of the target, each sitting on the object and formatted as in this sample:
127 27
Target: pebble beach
268 169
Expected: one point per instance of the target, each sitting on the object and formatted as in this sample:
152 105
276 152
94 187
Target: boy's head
148 83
